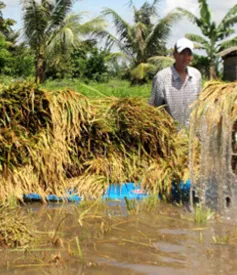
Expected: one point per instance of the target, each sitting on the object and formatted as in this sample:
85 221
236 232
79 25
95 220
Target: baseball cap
183 43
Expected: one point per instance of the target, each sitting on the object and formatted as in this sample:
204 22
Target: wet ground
97 239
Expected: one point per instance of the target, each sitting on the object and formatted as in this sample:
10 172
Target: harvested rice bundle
217 100
140 125
26 105
72 142
38 128
143 139
15 231
214 119
24 112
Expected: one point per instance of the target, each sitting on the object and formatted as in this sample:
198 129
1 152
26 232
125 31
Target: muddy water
109 240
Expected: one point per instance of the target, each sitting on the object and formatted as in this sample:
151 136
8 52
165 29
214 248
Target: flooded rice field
101 238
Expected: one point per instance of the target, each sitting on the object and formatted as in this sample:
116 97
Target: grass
202 214
227 238
114 88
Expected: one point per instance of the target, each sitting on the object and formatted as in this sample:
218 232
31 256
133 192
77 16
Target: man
178 86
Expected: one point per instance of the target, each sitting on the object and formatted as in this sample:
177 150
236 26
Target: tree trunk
39 69
213 74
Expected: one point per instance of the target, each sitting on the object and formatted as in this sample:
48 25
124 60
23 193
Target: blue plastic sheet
115 192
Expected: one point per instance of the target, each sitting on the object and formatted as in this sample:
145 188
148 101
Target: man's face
184 58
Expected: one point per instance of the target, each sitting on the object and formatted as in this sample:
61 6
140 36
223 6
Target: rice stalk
60 140
214 118
15 231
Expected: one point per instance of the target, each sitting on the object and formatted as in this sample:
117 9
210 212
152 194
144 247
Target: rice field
99 238
52 139
86 137
114 88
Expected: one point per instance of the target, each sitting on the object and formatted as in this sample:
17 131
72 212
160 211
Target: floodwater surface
101 239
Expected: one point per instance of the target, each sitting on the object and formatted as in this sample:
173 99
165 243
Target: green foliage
130 204
23 64
142 39
202 64
141 72
16 62
87 63
202 214
96 68
15 59
215 37
5 24
5 55
150 202
53 32
114 88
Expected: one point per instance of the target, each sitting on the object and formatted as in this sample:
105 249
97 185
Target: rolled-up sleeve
157 95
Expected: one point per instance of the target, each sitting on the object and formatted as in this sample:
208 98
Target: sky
218 7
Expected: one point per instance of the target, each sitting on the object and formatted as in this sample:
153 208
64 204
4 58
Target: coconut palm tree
215 37
5 23
143 39
72 36
49 26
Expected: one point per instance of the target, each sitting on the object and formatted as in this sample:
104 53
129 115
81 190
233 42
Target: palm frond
69 34
149 10
96 25
155 2
230 14
58 13
224 25
201 41
202 24
112 40
130 3
204 11
188 14
227 22
228 43
65 35
224 33
162 29
161 62
35 22
115 56
64 39
140 72
140 30
122 27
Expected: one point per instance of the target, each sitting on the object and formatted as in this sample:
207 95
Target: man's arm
200 84
157 96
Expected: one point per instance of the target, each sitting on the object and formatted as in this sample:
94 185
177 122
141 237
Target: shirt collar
177 76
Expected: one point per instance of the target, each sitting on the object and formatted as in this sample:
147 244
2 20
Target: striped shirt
168 89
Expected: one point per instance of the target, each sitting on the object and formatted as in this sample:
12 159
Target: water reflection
164 240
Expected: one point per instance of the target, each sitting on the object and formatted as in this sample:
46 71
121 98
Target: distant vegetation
59 44
215 37
93 89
